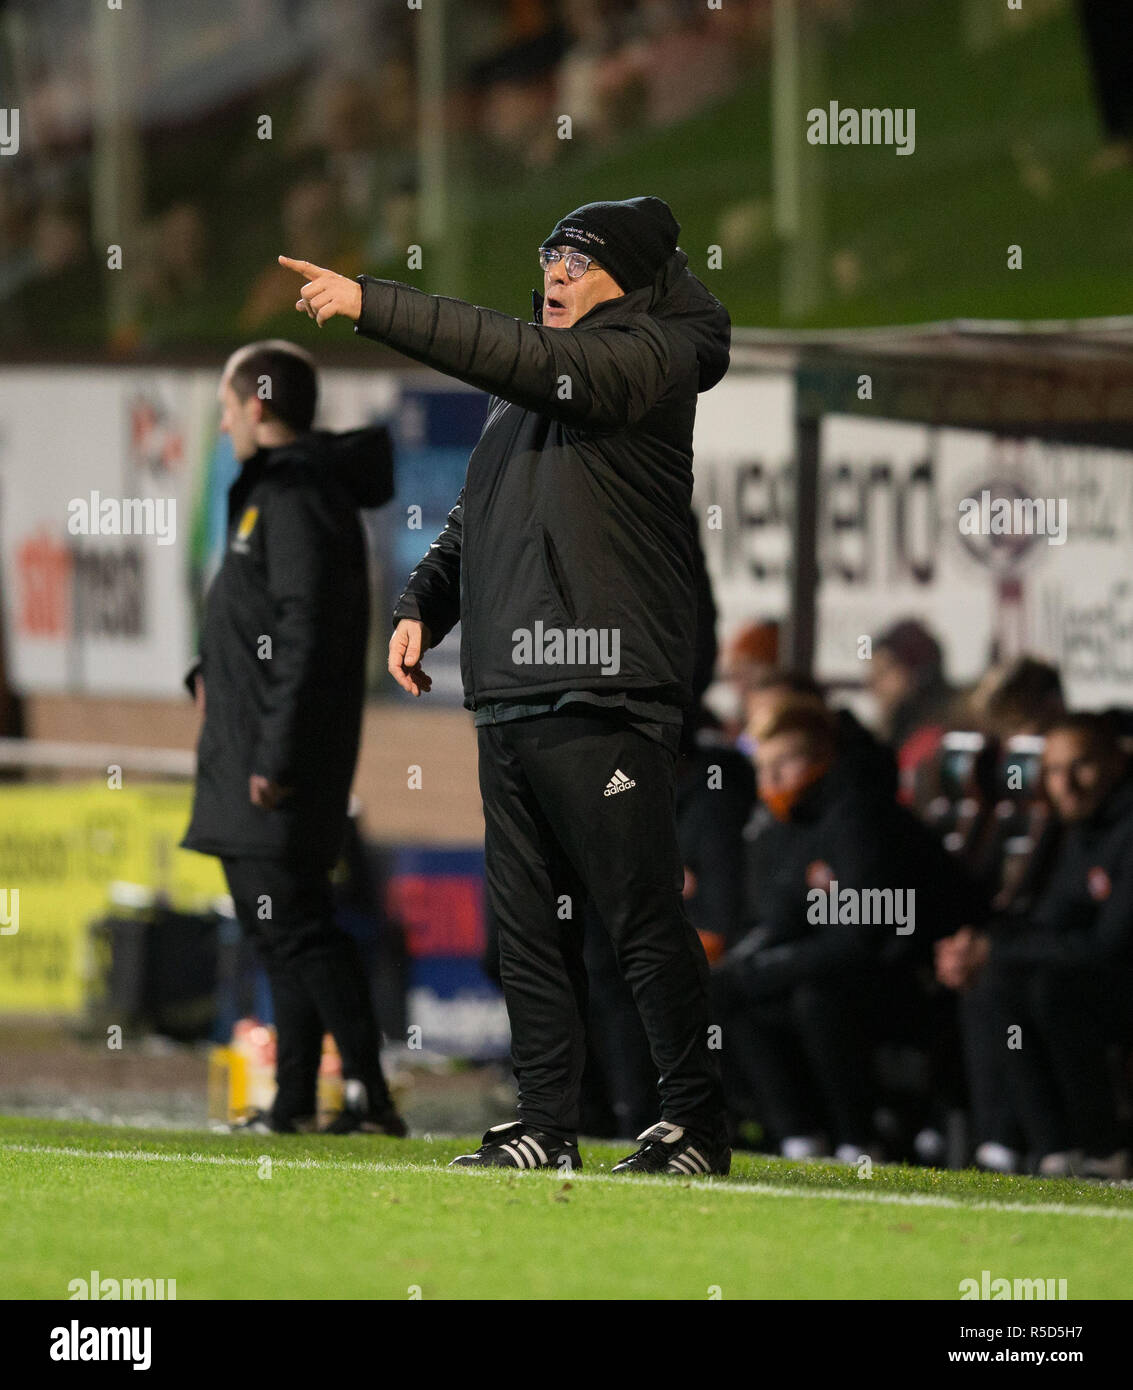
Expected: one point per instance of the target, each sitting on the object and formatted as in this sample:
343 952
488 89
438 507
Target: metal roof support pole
797 166
803 619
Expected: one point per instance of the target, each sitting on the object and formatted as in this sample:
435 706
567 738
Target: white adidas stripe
527 1139
527 1152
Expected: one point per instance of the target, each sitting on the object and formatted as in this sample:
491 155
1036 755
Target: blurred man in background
1051 992
775 688
748 658
794 998
855 886
914 700
1023 696
281 681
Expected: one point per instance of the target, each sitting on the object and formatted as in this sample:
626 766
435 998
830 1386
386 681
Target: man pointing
568 560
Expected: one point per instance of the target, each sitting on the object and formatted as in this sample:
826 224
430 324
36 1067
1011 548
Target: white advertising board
999 546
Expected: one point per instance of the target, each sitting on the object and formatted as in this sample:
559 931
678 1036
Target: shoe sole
469 1161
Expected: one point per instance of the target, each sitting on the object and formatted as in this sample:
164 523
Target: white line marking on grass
221 1160
756 1189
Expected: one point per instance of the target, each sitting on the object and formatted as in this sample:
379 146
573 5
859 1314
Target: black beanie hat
631 239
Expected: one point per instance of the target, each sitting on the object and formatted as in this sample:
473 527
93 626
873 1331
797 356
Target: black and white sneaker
515 1145
670 1148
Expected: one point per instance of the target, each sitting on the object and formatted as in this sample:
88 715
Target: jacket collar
251 471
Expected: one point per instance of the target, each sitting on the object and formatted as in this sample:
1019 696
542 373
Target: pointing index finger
301 267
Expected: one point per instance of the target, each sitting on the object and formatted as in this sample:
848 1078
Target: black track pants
558 834
1054 1070
318 984
802 1057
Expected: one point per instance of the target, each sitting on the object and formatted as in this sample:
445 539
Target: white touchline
754 1189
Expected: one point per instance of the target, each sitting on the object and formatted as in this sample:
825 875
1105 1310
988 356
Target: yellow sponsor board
60 850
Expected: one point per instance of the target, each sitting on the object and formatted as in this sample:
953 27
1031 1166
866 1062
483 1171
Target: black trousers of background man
801 1058
318 983
1053 1075
554 840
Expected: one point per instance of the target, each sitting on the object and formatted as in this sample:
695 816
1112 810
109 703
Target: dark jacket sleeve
600 379
191 677
1107 941
299 549
432 593
770 970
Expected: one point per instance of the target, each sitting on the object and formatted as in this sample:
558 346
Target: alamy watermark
570 646
873 125
987 1287
1014 516
9 130
98 1286
123 516
864 907
78 1343
9 911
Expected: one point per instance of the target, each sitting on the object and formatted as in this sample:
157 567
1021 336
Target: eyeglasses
576 263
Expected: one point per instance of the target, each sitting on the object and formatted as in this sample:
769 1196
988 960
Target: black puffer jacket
575 508
294 571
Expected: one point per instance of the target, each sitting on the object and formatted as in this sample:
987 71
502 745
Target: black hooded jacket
283 648
574 514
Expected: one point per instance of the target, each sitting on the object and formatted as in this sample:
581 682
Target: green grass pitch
381 1218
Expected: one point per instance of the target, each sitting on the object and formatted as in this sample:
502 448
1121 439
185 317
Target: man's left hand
326 293
265 793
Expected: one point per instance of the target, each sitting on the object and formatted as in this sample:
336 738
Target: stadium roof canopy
1036 339
1068 381
1065 378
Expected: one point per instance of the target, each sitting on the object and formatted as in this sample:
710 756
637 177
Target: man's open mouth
553 303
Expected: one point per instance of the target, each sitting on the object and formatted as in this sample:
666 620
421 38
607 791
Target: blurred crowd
201 203
613 65
921 933
204 203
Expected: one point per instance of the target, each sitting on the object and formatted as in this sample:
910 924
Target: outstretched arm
600 379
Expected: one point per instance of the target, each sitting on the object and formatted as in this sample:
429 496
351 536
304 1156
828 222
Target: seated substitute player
568 560
281 681
1062 975
803 997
